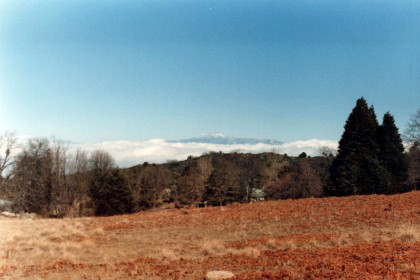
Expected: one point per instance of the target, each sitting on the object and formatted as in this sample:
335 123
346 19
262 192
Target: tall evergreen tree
392 154
357 168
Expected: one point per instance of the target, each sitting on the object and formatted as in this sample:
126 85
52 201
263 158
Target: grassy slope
357 237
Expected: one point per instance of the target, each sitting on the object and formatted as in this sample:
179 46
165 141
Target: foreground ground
359 237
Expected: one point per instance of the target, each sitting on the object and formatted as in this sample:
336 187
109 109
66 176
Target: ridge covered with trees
45 178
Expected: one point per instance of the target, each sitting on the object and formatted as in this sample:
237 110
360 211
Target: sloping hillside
358 237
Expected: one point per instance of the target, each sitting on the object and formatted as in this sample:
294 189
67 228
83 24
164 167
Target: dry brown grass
44 240
311 238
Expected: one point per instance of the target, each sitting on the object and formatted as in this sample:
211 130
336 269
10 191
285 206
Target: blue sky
93 71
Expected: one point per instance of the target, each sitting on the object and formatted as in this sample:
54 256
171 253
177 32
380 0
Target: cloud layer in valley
129 153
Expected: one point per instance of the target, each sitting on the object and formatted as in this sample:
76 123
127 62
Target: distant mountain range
225 140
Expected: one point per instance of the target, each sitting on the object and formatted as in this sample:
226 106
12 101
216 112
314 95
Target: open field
359 237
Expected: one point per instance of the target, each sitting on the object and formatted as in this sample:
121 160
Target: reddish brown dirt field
359 237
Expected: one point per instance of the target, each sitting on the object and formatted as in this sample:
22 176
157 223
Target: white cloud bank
130 153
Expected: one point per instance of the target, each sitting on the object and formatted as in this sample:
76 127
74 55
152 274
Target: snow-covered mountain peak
226 140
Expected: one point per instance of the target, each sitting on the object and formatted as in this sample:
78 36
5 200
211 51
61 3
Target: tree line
44 177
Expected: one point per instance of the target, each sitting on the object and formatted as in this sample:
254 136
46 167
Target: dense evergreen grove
45 178
370 156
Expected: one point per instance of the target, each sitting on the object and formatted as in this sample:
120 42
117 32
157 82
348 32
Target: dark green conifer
110 193
357 168
392 154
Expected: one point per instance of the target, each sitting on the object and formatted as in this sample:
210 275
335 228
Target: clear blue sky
89 71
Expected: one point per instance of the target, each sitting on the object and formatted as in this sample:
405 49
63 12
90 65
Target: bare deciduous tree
7 145
412 133
190 187
32 178
414 165
326 151
101 161
44 178
78 183
151 182
300 182
60 192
